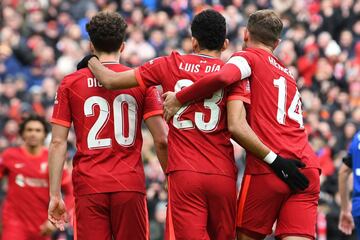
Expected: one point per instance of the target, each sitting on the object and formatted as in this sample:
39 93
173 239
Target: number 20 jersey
108 131
275 112
198 137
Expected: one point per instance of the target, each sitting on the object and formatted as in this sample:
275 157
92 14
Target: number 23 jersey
108 131
198 137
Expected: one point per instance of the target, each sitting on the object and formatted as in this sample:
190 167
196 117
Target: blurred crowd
42 40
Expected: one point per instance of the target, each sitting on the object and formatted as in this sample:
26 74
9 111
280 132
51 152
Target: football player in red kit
108 174
201 170
26 167
275 115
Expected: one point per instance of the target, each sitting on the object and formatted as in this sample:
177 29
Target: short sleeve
239 91
242 61
62 111
153 103
151 73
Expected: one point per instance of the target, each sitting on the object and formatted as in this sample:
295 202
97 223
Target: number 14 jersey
198 137
275 112
108 131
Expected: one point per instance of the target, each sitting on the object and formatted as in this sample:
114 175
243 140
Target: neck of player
108 57
211 53
33 150
251 44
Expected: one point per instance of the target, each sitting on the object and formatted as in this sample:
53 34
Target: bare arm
57 157
344 191
241 131
286 169
346 221
159 131
110 79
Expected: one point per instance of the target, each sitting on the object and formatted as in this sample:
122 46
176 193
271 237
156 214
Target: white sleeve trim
242 64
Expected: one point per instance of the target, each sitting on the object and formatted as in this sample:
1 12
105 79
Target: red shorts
201 206
14 229
265 199
118 215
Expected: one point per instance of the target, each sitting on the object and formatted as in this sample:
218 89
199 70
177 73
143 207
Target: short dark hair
209 29
265 27
107 31
33 118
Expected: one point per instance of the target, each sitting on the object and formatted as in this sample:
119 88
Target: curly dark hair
209 29
33 118
107 31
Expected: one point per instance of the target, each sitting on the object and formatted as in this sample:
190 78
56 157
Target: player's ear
246 35
195 44
277 42
226 45
122 47
92 48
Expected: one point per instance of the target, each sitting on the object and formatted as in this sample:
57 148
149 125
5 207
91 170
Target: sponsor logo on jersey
23 181
43 167
19 165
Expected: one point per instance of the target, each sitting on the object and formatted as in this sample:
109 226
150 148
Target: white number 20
92 139
210 103
294 111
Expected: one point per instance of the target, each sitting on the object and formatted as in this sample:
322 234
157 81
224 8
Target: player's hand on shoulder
171 105
288 171
57 212
84 62
346 222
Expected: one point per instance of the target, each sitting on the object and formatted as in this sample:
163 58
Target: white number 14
295 111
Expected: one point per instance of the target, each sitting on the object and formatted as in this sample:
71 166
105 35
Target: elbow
224 79
161 143
234 127
108 84
57 142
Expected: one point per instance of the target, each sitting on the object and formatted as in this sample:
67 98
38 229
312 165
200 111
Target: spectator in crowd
24 213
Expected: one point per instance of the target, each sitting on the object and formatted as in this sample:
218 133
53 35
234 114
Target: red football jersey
108 131
27 197
275 113
198 137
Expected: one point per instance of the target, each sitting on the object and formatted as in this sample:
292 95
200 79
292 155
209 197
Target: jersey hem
244 99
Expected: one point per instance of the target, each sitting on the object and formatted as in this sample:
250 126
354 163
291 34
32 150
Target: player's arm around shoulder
110 79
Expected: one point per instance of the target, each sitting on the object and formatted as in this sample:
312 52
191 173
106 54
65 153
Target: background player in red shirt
108 174
26 167
275 116
198 141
